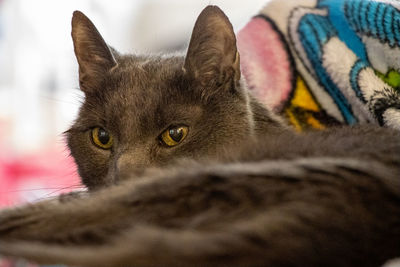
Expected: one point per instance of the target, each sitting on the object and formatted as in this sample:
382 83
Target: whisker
60 189
49 98
42 188
50 195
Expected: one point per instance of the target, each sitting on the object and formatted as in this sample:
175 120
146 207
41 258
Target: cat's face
141 111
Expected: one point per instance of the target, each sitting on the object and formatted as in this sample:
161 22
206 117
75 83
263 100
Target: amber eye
102 138
174 135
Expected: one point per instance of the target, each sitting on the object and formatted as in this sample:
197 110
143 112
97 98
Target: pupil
176 134
103 136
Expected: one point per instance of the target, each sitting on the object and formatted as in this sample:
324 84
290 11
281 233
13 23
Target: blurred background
39 95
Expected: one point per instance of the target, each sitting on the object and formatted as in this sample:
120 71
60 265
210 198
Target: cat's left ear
94 57
212 57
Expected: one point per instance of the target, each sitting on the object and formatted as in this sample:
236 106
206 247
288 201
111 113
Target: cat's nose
130 165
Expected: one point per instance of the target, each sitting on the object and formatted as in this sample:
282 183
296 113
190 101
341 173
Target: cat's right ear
212 58
94 57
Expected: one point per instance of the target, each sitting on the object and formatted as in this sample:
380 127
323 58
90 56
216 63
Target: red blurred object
34 177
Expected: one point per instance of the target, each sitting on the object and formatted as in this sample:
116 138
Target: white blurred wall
38 71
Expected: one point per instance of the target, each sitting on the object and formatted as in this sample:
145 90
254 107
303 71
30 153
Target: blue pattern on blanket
315 31
380 20
339 21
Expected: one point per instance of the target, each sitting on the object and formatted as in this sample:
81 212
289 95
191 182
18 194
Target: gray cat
185 168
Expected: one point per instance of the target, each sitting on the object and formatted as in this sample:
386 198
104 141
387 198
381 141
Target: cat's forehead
147 76
161 64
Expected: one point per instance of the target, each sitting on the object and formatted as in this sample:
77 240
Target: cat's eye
102 138
174 135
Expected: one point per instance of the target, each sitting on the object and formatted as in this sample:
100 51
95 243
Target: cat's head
145 111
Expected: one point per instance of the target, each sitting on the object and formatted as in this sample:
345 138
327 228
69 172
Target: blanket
325 62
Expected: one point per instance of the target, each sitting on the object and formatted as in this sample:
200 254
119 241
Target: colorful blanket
326 62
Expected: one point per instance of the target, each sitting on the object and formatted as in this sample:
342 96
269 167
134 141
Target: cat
185 168
138 98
